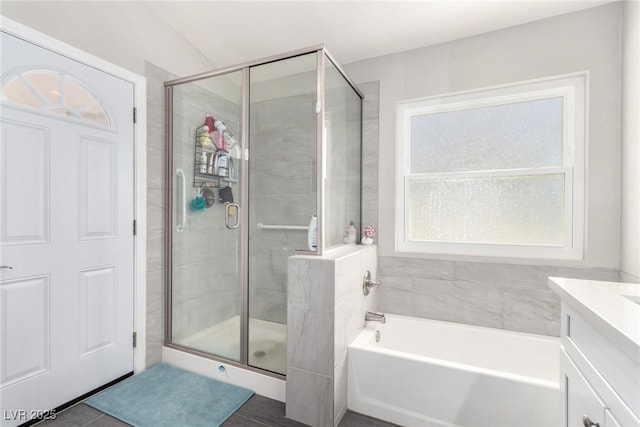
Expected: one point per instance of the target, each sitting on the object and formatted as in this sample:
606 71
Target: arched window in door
56 93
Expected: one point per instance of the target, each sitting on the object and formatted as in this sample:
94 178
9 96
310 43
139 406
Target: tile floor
259 411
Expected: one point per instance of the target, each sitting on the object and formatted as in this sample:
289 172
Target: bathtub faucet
371 316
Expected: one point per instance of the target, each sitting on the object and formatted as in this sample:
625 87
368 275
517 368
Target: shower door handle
232 209
183 201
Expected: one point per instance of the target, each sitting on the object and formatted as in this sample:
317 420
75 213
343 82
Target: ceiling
233 32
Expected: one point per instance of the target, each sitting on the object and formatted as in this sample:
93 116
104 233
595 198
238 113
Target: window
494 172
55 93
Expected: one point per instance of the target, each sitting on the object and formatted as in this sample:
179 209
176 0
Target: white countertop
612 307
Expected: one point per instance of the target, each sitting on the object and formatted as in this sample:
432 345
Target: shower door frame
322 56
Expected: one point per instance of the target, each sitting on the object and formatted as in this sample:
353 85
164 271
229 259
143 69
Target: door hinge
135 115
135 227
135 339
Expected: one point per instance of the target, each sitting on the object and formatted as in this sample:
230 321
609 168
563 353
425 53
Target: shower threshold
267 342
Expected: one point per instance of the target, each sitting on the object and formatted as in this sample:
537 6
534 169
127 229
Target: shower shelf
207 179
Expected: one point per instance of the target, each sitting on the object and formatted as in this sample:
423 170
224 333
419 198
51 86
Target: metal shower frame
322 56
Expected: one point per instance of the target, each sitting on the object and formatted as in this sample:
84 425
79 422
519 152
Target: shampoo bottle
351 233
222 164
222 157
312 240
203 162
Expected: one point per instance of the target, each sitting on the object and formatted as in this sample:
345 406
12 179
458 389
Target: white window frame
573 89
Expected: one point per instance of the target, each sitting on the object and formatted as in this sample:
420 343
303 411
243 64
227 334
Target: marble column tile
371 99
310 314
349 299
155 326
156 169
458 301
349 271
156 209
309 397
155 250
343 309
340 389
355 304
370 148
534 311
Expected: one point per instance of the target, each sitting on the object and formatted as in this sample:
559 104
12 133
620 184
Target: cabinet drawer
580 399
583 342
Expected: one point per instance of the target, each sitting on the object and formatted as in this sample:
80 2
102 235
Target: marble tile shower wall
370 126
342 186
282 190
156 210
205 287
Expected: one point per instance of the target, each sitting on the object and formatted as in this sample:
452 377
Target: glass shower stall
264 162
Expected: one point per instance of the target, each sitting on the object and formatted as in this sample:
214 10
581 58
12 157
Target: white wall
124 33
630 236
588 40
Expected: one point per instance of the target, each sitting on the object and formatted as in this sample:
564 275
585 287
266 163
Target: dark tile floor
259 411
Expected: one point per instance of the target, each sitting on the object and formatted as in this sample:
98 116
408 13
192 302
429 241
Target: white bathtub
431 373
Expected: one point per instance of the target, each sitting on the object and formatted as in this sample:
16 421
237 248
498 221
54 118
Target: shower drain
259 353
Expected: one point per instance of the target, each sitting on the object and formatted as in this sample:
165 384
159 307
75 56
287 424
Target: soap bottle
203 162
351 233
222 163
210 165
312 238
222 157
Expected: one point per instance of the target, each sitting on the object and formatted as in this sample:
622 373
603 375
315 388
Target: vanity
600 352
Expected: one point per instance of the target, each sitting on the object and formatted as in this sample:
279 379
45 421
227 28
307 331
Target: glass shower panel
205 252
342 130
282 194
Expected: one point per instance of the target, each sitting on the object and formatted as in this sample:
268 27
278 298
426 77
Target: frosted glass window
512 209
494 172
55 93
509 136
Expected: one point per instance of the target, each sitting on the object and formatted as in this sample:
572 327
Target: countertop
611 307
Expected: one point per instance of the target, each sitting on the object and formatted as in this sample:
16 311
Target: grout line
94 419
250 418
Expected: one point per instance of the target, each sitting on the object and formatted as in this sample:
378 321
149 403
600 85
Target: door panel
98 165
97 304
66 229
24 145
25 334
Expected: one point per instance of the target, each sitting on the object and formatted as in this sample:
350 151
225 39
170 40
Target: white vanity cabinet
600 353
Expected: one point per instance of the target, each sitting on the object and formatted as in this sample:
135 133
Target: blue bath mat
167 396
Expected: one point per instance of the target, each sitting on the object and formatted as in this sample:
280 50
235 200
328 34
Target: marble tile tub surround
325 312
505 296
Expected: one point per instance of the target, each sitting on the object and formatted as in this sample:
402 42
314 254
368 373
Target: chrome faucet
371 316
368 283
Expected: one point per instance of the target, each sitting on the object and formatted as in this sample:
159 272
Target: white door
66 229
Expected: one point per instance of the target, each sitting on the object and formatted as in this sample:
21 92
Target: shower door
205 167
232 229
282 194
